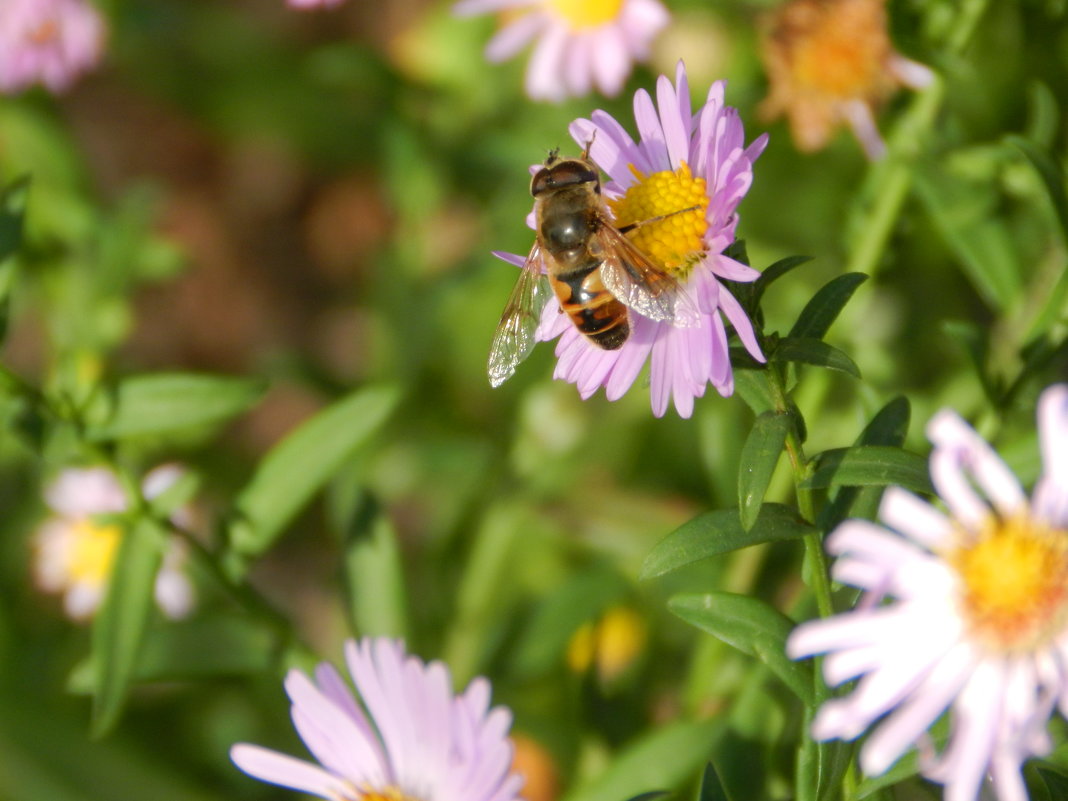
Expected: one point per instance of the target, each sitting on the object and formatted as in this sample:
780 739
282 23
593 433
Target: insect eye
573 172
541 181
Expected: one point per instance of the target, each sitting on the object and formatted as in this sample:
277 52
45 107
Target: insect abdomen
592 308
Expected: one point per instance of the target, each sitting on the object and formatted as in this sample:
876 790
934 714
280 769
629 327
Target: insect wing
640 285
514 338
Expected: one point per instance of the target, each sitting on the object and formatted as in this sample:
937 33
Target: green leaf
780 268
870 466
753 627
158 403
754 387
966 216
1056 782
973 341
120 623
203 647
1051 174
904 768
757 463
718 532
374 577
298 467
824 307
889 427
663 758
820 767
12 213
712 788
815 352
771 274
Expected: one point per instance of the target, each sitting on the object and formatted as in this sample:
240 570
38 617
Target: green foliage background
253 221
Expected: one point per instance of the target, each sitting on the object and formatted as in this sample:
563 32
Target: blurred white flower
978 623
581 44
75 548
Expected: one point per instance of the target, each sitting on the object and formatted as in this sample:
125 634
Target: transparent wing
640 285
515 333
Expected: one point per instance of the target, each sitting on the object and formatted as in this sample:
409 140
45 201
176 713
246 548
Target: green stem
821 582
889 181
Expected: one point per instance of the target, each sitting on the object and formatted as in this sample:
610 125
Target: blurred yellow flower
831 62
610 646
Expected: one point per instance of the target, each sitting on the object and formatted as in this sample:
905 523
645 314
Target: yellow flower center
92 551
386 794
1015 579
583 14
676 241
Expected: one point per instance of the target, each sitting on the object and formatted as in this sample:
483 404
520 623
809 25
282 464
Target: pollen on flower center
1015 583
92 551
581 14
676 241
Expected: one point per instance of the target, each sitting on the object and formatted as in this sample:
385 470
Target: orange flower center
1014 576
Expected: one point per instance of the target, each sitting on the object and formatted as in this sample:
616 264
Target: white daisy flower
75 548
976 618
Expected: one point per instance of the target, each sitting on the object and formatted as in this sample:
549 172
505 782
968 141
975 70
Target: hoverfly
595 271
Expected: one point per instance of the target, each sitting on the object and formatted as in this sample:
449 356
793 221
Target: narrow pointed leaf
158 403
753 627
815 352
967 217
298 467
821 766
777 270
661 759
1056 783
12 213
120 624
1050 173
759 456
719 532
374 579
870 466
820 312
889 427
712 788
754 387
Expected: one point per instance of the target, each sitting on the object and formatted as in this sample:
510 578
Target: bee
596 273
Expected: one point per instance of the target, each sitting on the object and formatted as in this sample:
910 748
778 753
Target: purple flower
50 42
978 623
406 738
306 4
695 169
582 44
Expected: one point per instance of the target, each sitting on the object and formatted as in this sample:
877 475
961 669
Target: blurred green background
311 198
